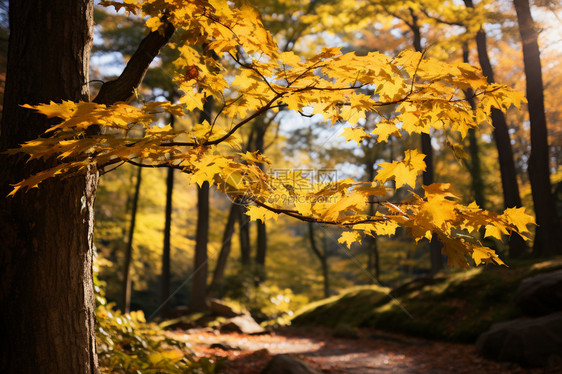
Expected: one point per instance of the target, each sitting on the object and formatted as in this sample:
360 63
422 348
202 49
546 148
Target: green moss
347 308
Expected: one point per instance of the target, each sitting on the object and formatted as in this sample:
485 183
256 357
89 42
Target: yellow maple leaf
484 254
260 213
349 237
290 58
384 130
355 202
438 211
354 134
495 231
397 171
414 159
518 218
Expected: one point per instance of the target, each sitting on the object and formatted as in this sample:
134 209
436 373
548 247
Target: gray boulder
287 364
535 342
541 294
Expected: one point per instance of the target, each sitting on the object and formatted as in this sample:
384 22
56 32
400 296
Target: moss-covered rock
455 305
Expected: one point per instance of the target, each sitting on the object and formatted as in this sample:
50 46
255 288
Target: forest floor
372 352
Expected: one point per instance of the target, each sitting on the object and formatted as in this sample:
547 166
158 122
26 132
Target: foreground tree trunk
548 236
46 291
45 261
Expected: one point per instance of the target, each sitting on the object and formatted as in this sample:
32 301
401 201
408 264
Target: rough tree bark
46 290
548 236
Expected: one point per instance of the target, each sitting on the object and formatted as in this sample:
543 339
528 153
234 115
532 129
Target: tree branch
123 87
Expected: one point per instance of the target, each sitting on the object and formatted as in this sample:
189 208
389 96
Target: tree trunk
475 169
244 237
200 265
262 231
166 248
373 265
435 245
548 236
508 174
322 257
218 275
47 233
126 286
510 186
46 290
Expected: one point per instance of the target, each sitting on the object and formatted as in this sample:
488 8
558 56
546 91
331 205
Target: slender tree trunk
166 248
322 257
435 246
200 265
261 252
244 237
262 231
477 183
475 169
126 287
218 275
46 290
510 186
373 265
548 236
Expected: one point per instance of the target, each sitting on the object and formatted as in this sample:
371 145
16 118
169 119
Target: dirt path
374 352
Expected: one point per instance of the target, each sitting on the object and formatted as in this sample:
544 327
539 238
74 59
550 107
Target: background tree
548 236
198 298
126 288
